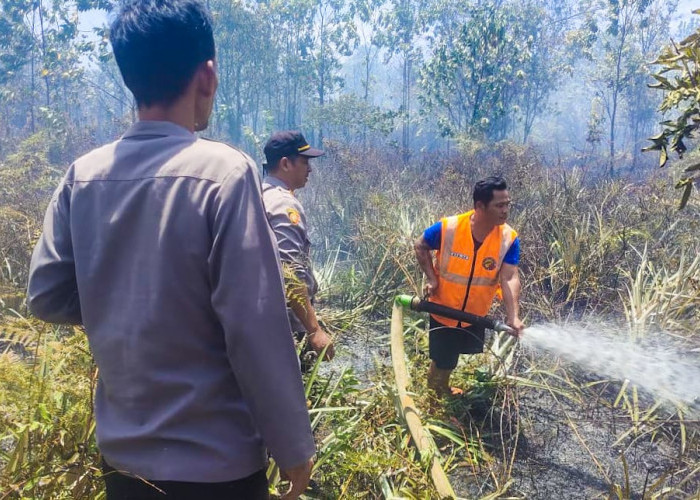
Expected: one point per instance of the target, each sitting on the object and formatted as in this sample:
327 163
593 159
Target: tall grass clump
47 379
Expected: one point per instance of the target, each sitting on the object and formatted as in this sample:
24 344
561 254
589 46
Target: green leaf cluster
679 79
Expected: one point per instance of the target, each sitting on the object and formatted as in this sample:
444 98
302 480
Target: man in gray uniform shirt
159 245
288 168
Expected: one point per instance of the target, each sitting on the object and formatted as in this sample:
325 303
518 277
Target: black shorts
447 343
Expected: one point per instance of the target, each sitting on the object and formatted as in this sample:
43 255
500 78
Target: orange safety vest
468 280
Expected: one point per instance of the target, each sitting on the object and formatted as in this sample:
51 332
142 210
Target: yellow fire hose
407 407
421 438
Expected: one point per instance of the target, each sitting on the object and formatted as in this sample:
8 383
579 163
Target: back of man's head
483 189
158 45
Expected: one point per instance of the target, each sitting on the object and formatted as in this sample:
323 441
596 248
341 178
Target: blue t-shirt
433 235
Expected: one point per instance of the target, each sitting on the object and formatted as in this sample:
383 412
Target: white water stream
656 368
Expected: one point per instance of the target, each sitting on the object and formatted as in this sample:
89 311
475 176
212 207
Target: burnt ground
566 446
563 434
557 455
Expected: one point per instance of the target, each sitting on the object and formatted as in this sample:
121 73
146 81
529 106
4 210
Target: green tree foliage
41 63
641 101
402 26
15 39
472 78
276 60
370 15
627 30
335 35
548 23
351 118
679 79
244 76
492 69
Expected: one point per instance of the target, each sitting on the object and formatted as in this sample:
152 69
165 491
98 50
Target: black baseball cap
288 143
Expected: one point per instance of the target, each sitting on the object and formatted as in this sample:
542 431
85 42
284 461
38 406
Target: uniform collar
277 182
156 128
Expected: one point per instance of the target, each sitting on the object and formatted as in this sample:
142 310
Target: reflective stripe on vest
457 261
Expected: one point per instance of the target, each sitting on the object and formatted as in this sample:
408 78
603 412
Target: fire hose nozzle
500 326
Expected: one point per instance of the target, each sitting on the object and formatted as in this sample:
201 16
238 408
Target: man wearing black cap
288 169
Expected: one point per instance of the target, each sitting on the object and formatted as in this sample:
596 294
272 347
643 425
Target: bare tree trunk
322 76
238 132
616 94
321 99
43 50
368 66
33 77
406 105
612 134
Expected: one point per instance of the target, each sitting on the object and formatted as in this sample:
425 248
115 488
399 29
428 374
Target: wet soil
570 449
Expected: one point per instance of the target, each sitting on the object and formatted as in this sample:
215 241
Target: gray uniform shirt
288 221
159 245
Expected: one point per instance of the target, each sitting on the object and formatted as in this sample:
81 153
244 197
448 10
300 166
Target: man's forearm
425 260
511 297
300 304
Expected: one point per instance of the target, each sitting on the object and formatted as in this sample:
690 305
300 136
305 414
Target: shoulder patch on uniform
293 215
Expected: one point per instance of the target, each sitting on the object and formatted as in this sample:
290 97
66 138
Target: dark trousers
123 487
447 343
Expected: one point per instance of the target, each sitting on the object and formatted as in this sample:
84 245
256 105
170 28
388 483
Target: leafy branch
679 79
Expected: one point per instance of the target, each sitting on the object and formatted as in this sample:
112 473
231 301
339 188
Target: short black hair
273 163
158 45
483 190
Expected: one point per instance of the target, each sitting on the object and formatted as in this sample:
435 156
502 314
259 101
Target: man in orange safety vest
476 253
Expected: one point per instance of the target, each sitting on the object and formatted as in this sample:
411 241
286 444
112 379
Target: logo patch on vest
294 216
459 255
489 263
